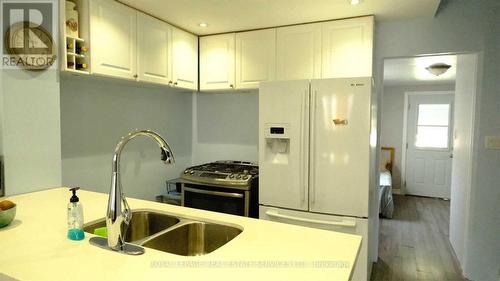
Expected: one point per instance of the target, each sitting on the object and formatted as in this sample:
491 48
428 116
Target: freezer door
340 142
283 144
347 225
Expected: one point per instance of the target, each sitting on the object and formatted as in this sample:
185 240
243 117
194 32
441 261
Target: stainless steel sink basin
193 238
172 234
144 223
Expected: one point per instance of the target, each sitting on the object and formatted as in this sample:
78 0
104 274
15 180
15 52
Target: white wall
462 151
30 130
97 112
226 127
391 133
463 26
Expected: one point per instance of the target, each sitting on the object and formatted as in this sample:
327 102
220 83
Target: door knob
451 155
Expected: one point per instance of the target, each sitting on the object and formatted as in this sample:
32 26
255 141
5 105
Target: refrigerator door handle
303 147
345 223
313 149
301 152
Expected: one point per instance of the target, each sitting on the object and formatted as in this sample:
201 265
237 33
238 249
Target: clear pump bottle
75 217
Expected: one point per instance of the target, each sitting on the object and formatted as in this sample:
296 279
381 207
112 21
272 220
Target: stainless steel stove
237 174
222 186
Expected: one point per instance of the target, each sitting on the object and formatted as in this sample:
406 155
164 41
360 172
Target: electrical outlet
492 142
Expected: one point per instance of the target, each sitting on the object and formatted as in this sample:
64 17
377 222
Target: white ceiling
236 15
411 71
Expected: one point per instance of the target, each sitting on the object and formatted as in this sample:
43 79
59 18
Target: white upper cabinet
113 39
299 52
255 58
347 47
184 59
154 46
217 62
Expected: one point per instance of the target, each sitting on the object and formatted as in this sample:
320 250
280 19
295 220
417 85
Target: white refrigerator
314 156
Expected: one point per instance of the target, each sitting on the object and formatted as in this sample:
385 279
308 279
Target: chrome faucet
119 214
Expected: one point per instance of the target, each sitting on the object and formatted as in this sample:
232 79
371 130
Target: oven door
224 200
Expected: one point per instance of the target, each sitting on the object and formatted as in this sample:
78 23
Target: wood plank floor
414 245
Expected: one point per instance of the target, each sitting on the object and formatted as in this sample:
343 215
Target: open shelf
75 55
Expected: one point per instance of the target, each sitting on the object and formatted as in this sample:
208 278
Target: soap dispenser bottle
75 217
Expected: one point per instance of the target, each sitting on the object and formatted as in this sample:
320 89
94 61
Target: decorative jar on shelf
71 19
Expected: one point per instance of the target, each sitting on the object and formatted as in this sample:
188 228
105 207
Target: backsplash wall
97 112
200 127
226 126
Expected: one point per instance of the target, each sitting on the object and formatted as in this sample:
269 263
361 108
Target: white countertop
35 247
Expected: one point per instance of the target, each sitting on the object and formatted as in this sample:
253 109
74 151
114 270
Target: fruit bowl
7 213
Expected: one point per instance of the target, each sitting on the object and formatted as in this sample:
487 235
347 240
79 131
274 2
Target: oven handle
216 193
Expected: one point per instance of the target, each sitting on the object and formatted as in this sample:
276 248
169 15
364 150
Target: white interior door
429 150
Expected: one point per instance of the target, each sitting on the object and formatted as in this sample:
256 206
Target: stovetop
223 173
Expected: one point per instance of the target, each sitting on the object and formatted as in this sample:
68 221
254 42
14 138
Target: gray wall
391 125
30 122
463 26
96 113
226 126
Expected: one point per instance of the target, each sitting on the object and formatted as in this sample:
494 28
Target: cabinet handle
170 82
231 85
175 83
135 76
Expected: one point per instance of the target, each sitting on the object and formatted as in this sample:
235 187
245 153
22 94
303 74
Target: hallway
414 244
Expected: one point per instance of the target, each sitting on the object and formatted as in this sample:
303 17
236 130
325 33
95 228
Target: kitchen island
35 247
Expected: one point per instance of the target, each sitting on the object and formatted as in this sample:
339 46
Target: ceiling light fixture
203 24
355 2
438 68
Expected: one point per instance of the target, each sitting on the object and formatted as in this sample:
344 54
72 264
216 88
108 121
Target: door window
433 126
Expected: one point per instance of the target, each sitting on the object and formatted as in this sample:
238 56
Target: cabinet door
113 39
154 47
217 62
299 52
347 48
255 58
185 59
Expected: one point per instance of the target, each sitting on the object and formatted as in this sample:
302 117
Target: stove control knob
245 177
191 172
186 171
238 176
231 176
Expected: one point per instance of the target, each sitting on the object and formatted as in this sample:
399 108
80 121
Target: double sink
173 234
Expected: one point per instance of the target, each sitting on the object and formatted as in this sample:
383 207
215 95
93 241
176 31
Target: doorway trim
405 129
